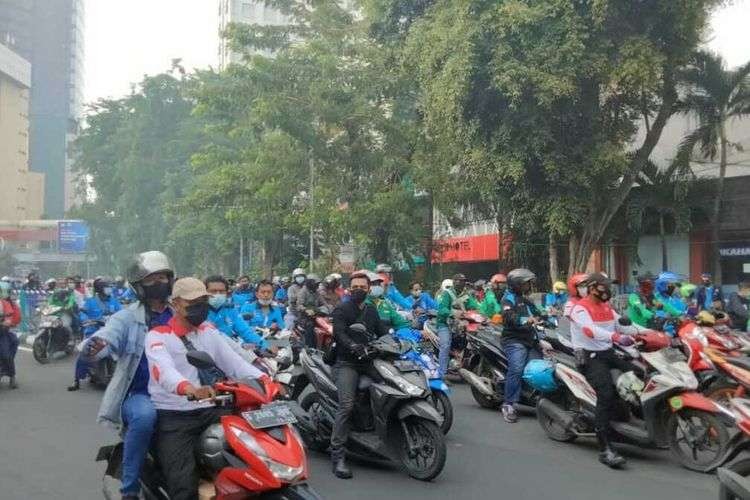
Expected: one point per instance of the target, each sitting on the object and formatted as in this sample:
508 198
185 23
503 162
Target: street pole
312 208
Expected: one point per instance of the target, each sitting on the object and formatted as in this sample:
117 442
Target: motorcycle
719 339
393 421
666 412
471 322
322 325
253 451
56 338
101 371
735 479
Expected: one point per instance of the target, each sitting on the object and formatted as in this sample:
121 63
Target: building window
247 10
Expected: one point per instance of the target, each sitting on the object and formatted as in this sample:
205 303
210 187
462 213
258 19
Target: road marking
27 349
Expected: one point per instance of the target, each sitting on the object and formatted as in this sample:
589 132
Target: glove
359 350
623 340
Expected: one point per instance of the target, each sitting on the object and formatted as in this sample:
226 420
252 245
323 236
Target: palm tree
714 95
662 194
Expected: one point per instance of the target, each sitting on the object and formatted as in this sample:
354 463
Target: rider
126 402
594 325
642 304
174 380
226 317
299 277
554 301
96 308
519 339
493 295
454 301
386 310
351 361
307 302
11 317
738 307
478 289
330 291
666 285
243 293
122 291
264 313
577 290
708 294
391 291
281 293
50 285
421 302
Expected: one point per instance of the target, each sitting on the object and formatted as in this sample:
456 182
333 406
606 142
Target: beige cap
189 289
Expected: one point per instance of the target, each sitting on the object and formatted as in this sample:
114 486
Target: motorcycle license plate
272 415
407 365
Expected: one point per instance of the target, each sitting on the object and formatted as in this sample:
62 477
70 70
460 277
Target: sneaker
509 414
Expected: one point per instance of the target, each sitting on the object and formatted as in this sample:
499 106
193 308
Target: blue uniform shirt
257 317
228 321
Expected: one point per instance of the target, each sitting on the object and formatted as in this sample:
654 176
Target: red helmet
574 282
499 278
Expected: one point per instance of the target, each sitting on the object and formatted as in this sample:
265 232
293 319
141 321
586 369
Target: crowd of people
152 319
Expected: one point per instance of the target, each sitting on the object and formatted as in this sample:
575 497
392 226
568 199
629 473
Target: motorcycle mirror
200 359
358 327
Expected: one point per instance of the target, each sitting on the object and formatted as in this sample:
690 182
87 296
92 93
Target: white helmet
629 387
298 272
383 268
446 284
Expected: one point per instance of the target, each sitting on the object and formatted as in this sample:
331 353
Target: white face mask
377 291
583 291
299 280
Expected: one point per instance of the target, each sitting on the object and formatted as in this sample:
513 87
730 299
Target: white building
248 12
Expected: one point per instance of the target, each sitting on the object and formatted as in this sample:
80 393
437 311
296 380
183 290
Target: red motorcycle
255 451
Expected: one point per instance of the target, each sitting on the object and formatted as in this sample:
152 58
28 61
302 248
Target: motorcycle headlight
284 472
401 382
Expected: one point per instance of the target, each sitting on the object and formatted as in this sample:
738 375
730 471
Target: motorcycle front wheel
423 452
311 404
39 348
697 439
444 407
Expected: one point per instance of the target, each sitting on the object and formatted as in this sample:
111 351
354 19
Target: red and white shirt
170 371
592 325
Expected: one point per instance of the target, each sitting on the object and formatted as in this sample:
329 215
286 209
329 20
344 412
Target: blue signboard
72 236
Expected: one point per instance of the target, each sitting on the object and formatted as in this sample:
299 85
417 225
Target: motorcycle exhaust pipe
551 409
482 384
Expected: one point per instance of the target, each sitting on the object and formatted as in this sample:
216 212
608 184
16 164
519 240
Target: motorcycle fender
692 400
437 384
421 409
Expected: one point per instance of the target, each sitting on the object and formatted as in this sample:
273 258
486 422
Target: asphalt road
48 440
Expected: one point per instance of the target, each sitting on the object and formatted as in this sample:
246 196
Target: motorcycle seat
743 362
364 383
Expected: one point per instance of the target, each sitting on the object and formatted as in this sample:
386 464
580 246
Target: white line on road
27 349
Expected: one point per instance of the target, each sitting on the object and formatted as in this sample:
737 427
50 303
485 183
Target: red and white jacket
170 371
592 325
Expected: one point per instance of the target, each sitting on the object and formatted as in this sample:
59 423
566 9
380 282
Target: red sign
29 234
468 249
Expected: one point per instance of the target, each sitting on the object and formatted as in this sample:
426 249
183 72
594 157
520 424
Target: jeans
347 380
444 353
139 417
518 355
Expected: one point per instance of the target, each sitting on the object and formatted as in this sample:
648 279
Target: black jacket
517 310
345 315
738 311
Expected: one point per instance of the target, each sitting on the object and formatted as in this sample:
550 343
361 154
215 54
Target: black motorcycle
393 420
100 372
55 338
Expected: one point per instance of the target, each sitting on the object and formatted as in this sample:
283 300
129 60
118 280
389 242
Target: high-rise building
49 34
23 191
248 12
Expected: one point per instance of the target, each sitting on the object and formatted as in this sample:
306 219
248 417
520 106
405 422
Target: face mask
459 287
264 302
583 291
107 290
299 280
377 291
157 291
218 300
71 286
604 296
243 286
670 289
196 314
358 296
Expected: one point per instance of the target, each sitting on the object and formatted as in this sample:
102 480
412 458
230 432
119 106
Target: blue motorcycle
439 389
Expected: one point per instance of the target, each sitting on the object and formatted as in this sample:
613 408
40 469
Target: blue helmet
540 375
665 279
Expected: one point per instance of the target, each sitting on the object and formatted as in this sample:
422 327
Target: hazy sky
126 39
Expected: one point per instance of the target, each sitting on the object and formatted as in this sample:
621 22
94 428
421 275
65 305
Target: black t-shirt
345 315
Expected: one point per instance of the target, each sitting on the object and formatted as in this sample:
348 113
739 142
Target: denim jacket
125 334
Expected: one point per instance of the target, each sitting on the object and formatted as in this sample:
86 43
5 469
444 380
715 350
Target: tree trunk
381 252
268 258
573 251
716 209
663 238
553 262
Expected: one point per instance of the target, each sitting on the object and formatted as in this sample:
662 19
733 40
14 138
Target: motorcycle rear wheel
553 429
483 400
713 430
443 405
742 468
311 404
39 348
428 461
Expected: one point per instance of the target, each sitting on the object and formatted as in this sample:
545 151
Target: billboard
72 236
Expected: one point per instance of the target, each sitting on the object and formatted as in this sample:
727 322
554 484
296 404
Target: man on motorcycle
421 302
519 339
666 285
738 307
330 292
126 402
493 295
243 293
299 277
554 301
577 290
307 301
593 331
281 294
225 317
708 294
179 390
351 360
95 309
122 292
642 304
454 301
386 310
264 313
11 317
392 292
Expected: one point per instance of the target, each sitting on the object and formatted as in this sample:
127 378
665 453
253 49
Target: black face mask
157 291
604 296
358 296
243 287
196 314
670 289
459 287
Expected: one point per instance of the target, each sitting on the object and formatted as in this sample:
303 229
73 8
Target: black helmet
100 282
519 276
459 277
145 264
211 447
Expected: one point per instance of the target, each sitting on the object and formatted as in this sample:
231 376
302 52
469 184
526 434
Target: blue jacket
240 298
556 300
397 298
94 308
254 312
124 294
228 321
424 302
281 295
707 295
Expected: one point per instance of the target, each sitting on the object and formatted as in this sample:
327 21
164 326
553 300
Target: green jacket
388 314
490 305
449 302
638 312
67 303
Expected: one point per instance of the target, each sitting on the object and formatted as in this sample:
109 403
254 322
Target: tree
714 95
